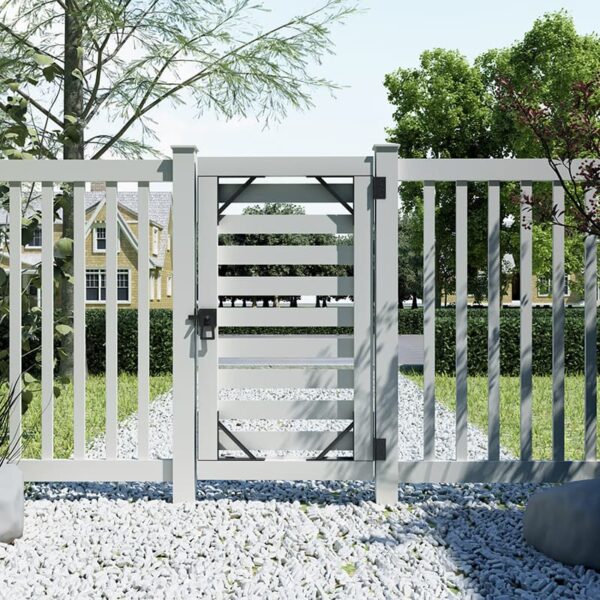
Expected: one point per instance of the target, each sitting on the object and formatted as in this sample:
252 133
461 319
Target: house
160 266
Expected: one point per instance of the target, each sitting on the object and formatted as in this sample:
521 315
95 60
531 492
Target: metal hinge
379 449
379 188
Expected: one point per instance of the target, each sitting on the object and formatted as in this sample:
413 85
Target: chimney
98 186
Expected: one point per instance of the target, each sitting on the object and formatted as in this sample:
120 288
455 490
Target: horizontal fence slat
285 378
97 470
308 441
297 193
270 470
272 224
286 255
86 170
504 471
482 169
285 286
286 317
276 409
281 166
286 346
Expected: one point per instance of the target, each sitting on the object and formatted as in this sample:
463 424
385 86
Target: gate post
184 331
386 323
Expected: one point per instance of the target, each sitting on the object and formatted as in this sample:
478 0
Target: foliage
448 107
411 322
95 412
309 239
9 448
161 346
84 78
123 59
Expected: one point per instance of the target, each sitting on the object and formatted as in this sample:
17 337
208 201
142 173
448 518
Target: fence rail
365 361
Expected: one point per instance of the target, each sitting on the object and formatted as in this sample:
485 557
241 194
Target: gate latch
379 449
205 320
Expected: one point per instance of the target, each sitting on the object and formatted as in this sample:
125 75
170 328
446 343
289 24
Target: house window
169 242
159 287
36 240
544 287
95 285
152 284
169 285
155 241
99 239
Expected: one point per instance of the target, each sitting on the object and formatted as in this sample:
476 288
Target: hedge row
410 322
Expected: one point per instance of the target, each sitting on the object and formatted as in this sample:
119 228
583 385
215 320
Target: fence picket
79 360
591 368
429 321
558 323
526 350
461 319
143 318
15 316
47 400
112 383
494 320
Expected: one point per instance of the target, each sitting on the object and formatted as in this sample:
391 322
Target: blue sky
388 35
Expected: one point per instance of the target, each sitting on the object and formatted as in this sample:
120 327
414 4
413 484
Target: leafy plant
9 449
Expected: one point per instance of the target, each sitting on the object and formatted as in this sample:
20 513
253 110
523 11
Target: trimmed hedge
161 340
410 321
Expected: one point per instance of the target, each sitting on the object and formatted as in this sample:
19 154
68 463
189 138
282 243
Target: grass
509 411
95 412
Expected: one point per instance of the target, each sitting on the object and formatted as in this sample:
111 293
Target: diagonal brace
234 196
330 446
335 194
237 442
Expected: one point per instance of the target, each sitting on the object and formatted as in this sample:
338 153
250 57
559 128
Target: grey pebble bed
285 539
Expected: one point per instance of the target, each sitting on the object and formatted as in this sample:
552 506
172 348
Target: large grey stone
564 523
11 503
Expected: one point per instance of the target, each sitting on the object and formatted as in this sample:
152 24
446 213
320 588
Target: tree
280 239
70 65
449 108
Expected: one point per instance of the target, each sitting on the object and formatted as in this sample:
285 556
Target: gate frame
195 287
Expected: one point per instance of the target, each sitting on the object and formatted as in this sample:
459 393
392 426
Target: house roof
159 210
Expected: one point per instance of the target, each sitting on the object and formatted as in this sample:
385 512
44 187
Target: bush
161 340
410 321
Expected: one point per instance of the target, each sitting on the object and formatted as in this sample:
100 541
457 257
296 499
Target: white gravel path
289 540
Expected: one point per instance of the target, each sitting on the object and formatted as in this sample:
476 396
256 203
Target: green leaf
29 378
63 248
71 118
80 52
63 329
13 85
43 60
78 75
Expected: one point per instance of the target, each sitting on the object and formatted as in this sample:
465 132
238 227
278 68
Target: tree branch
43 110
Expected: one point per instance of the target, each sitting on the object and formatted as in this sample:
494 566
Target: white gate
365 448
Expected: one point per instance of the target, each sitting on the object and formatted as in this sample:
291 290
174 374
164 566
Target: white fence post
184 334
386 326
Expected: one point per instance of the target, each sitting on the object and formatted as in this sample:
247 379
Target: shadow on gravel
307 492
481 528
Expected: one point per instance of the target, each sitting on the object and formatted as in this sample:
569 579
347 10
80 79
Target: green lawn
95 412
509 411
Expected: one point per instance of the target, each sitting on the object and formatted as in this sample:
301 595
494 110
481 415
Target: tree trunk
72 149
